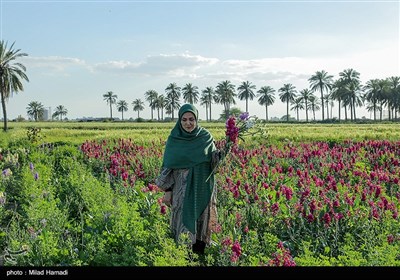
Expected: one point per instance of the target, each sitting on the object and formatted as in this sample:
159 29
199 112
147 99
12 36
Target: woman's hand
167 198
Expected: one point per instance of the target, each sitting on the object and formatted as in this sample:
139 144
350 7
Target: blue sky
79 50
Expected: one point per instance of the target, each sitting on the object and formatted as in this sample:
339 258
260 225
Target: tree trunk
3 105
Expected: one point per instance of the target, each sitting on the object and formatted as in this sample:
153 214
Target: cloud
50 64
175 65
116 67
274 71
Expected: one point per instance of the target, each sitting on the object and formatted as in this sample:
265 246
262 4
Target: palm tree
173 94
246 93
394 96
266 97
190 93
225 94
323 82
332 104
305 95
110 98
209 97
150 96
327 100
35 110
351 80
383 95
338 93
298 105
204 101
372 94
288 94
122 106
314 104
11 74
138 106
159 103
371 108
60 112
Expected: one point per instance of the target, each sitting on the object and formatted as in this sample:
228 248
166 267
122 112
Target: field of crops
83 194
76 133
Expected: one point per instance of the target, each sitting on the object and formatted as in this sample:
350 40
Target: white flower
249 124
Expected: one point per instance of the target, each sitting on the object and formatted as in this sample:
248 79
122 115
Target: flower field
286 197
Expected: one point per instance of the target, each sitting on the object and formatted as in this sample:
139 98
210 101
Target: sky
80 50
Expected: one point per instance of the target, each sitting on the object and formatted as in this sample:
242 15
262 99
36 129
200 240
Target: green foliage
34 134
382 255
60 207
63 215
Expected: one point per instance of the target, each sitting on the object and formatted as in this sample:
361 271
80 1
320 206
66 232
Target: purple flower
244 116
6 172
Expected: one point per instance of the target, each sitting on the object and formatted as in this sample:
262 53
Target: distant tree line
347 91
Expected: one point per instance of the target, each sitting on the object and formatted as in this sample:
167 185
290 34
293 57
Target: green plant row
287 197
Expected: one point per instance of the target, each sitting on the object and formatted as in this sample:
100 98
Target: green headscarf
193 151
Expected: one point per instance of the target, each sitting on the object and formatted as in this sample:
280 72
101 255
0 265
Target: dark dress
176 180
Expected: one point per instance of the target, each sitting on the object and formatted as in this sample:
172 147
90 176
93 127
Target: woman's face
188 122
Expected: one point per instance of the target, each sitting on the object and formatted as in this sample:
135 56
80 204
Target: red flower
235 129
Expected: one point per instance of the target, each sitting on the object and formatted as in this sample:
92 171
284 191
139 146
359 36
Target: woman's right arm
165 180
216 158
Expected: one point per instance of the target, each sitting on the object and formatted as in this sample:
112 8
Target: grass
78 132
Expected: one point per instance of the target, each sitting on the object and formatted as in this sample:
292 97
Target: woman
189 158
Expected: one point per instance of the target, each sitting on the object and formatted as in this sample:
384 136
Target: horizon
79 50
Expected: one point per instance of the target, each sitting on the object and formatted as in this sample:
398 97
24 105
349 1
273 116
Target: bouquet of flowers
236 129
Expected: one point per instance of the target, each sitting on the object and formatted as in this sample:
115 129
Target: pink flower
232 131
235 130
327 219
236 251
